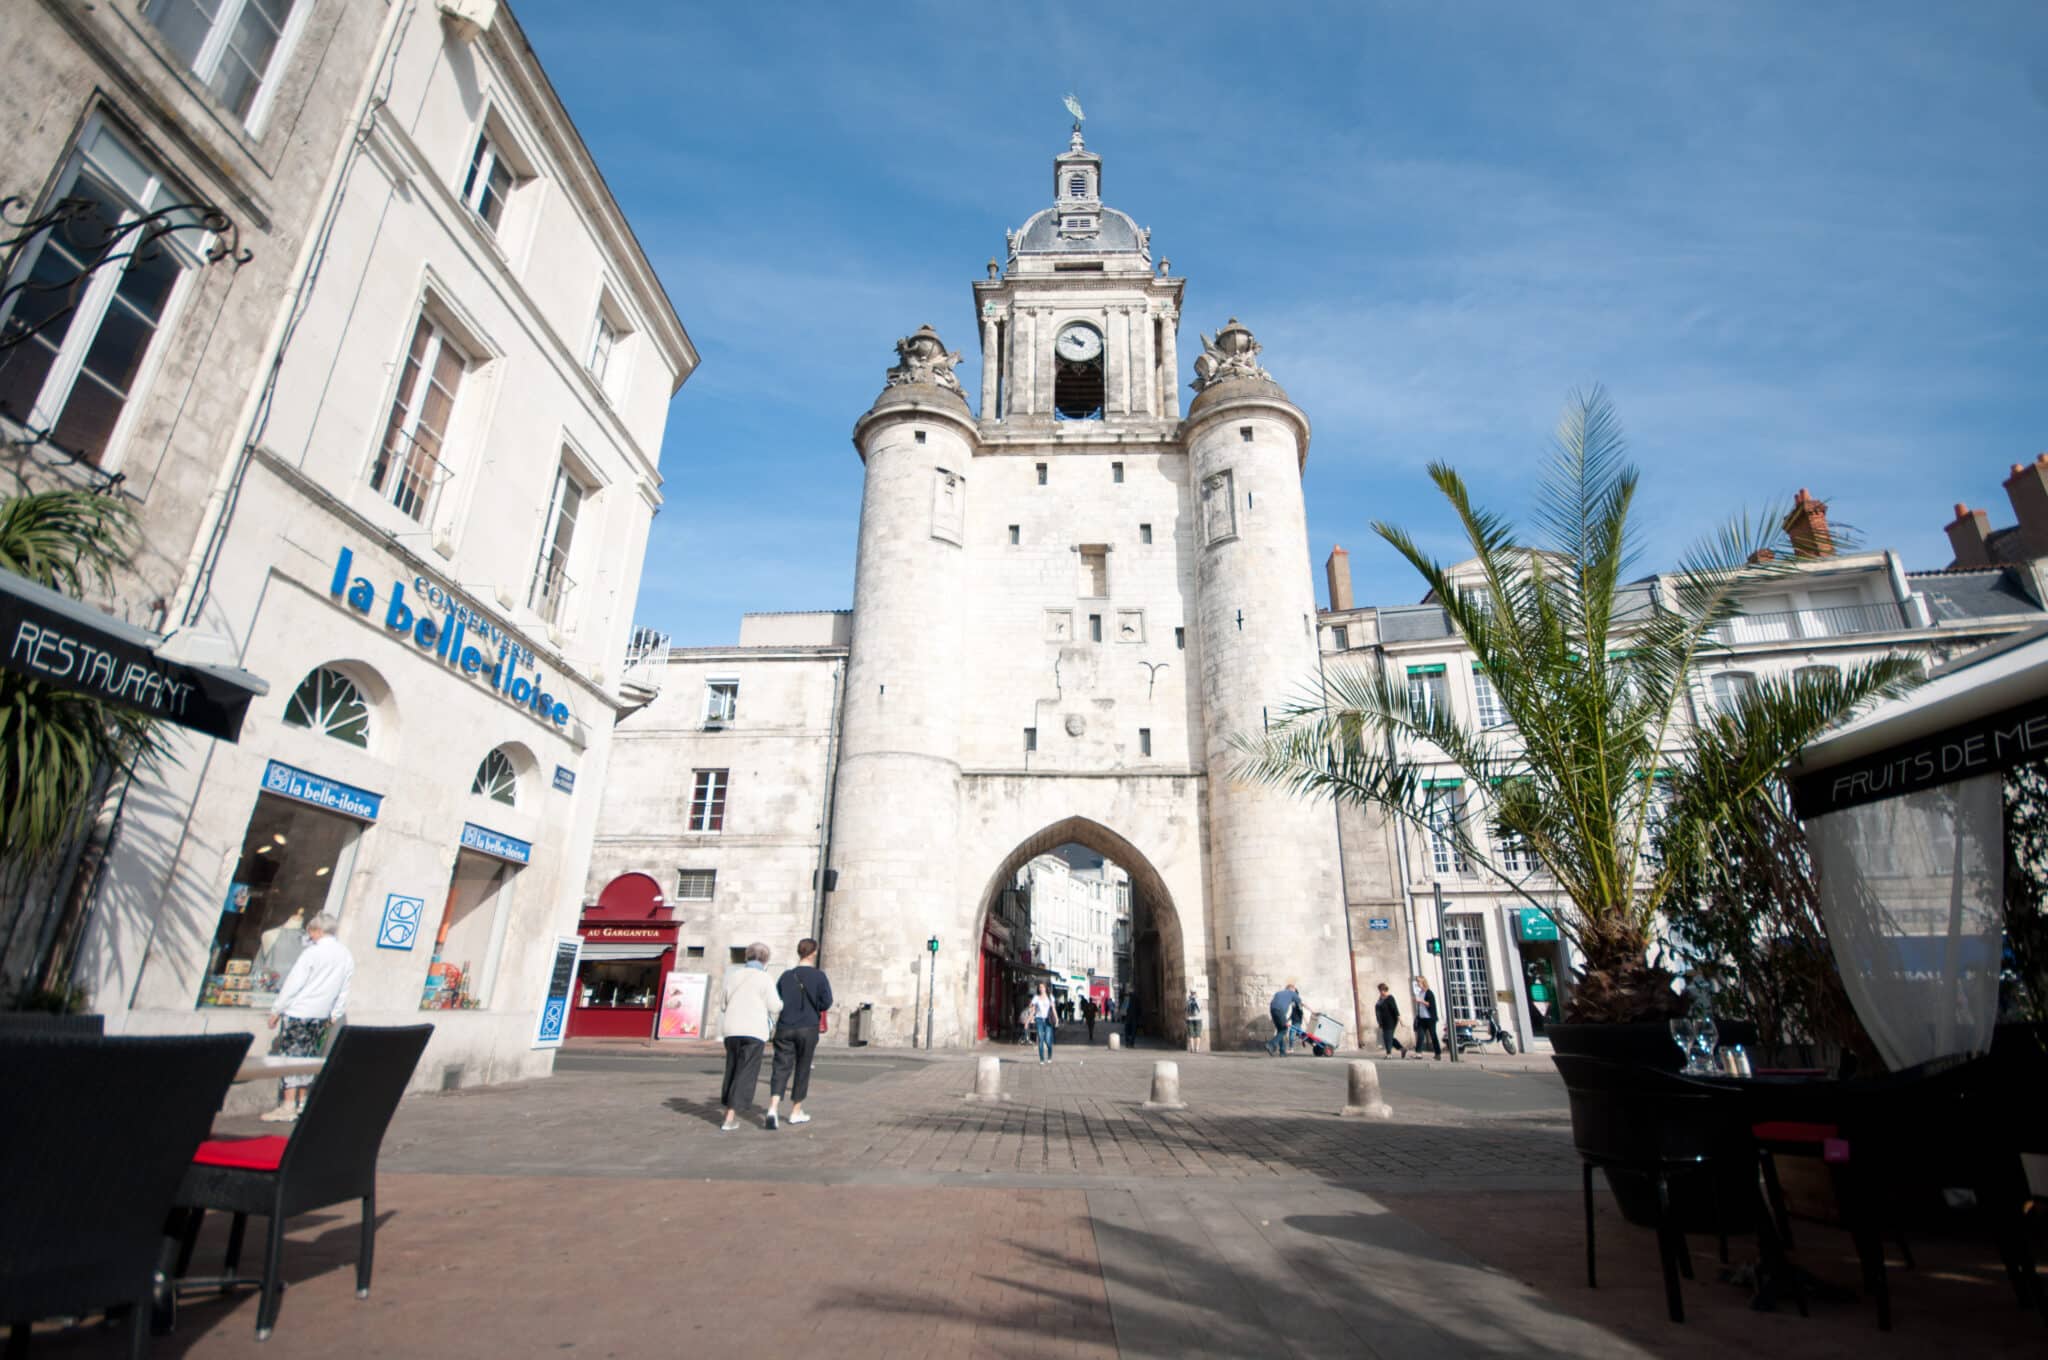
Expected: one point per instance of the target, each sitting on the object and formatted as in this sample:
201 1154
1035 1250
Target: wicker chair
1636 1122
97 1134
330 1157
13 1023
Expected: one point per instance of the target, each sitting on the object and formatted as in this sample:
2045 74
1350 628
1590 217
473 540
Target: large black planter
1642 1043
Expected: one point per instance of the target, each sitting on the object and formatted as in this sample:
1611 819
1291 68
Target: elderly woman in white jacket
751 1005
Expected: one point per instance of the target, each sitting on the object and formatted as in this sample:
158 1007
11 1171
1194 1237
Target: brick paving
602 1213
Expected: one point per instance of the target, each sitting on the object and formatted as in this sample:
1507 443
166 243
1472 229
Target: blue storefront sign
288 781
565 779
496 844
1379 923
400 928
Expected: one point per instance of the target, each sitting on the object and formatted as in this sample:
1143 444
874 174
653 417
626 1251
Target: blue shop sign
1379 923
565 779
288 781
496 844
496 663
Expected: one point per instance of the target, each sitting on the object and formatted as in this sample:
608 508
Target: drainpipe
826 807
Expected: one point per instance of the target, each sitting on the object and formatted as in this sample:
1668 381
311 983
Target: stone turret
1276 900
899 772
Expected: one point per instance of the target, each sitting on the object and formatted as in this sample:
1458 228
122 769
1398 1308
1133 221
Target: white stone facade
455 423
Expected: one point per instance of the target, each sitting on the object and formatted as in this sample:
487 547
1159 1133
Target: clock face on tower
1078 343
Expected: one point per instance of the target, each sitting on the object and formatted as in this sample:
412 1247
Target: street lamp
930 990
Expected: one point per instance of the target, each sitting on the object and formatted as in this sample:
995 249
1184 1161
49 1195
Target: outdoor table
1798 1097
265 1066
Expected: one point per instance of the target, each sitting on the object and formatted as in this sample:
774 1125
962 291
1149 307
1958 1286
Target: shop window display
294 865
621 982
472 931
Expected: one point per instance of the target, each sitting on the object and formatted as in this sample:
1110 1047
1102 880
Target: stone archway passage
1158 946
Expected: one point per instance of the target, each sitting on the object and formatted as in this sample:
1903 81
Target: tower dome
1077 223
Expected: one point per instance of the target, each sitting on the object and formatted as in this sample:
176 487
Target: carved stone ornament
922 358
1076 724
1230 353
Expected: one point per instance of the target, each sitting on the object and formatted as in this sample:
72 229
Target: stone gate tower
1066 605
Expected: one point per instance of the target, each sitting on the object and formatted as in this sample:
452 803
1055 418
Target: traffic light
1436 946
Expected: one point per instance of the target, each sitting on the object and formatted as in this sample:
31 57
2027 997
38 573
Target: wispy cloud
1801 245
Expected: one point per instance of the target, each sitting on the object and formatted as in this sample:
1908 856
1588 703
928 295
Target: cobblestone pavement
894 1118
602 1213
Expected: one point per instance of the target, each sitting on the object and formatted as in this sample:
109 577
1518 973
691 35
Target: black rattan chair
96 1135
330 1157
1903 1148
14 1023
1655 1132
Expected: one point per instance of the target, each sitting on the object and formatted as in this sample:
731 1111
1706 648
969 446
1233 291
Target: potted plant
1594 676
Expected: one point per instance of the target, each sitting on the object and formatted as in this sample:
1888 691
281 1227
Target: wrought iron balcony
1790 625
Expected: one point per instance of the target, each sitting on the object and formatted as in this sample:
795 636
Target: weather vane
1074 107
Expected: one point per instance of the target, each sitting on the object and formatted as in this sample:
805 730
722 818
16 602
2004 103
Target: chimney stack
1969 536
1807 527
1338 569
2027 489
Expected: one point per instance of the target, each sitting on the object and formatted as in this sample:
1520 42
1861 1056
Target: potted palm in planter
1594 675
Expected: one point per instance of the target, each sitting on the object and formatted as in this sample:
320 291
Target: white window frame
552 605
487 154
440 338
1486 702
714 710
1442 809
717 792
96 298
206 62
1429 690
1721 688
685 877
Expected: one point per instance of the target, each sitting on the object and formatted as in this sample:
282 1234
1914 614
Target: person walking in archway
1041 1020
1282 1009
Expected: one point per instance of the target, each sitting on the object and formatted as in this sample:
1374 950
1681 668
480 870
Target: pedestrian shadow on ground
709 1111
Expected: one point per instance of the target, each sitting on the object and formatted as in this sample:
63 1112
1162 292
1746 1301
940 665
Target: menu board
554 1007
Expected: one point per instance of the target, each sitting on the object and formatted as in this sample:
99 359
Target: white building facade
429 541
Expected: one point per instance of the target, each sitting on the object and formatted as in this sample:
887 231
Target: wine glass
1705 1036
1682 1035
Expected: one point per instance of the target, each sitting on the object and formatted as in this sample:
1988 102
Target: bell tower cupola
1077 326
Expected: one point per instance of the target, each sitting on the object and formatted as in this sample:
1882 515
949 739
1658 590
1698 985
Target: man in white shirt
314 995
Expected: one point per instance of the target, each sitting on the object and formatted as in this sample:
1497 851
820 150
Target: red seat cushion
248 1154
1791 1131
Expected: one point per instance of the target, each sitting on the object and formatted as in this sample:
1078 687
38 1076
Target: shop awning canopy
51 637
594 952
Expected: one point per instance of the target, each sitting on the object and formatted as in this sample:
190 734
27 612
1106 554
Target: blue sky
1800 244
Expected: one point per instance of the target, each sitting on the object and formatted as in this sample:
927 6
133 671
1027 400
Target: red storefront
629 946
998 983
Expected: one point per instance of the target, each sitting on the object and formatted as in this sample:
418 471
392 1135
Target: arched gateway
1066 607
1158 973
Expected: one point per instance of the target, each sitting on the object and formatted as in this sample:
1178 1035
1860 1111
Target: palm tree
58 748
1595 687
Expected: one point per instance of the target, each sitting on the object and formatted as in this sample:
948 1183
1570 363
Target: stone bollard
988 1080
1166 1087
1116 1041
1363 1098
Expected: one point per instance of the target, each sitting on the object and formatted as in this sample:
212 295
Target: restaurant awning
592 953
51 637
